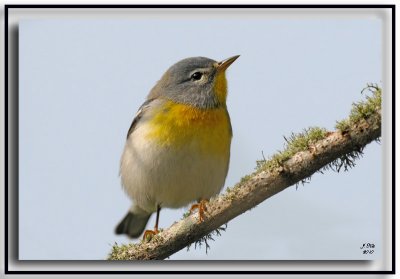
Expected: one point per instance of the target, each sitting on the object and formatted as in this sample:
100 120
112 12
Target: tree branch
313 150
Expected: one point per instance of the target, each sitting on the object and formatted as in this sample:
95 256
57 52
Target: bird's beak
224 64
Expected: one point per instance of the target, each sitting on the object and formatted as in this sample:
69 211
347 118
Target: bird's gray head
196 81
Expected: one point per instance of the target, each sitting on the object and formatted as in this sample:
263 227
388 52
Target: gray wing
138 116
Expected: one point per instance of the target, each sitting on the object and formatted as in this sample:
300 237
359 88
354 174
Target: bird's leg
201 205
151 233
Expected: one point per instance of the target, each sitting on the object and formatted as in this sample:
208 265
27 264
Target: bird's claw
202 208
148 234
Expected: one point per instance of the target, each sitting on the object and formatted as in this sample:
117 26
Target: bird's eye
196 76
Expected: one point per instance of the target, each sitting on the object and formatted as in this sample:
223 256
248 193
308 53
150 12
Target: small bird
178 146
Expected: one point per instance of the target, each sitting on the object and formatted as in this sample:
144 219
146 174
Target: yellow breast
177 125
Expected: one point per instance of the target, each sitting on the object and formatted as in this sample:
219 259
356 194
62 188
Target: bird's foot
202 208
148 234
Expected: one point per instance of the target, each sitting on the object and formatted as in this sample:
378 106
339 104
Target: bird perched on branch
178 146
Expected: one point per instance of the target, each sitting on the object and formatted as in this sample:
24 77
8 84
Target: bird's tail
133 223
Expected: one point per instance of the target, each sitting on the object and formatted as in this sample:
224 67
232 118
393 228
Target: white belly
153 174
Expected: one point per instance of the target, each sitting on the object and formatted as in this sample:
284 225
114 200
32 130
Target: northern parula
178 146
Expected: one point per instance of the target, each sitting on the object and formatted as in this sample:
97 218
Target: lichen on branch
315 149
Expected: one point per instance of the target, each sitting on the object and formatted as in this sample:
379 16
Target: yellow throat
209 130
221 88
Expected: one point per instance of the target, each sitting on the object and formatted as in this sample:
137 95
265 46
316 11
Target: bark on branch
333 150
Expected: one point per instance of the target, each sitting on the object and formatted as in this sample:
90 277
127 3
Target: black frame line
186 6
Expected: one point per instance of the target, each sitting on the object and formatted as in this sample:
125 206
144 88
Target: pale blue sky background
81 82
